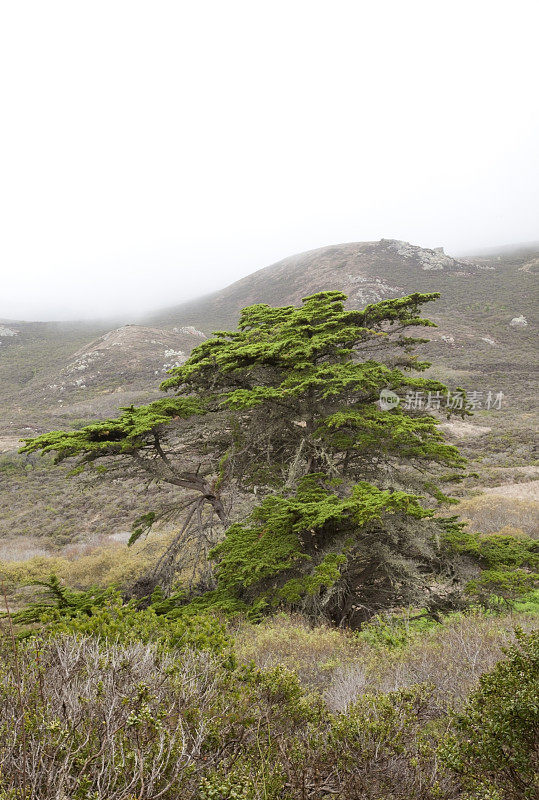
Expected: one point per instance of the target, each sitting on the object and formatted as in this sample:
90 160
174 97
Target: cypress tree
274 433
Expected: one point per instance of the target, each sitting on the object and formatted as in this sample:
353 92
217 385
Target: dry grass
489 512
82 566
450 658
291 641
521 491
22 548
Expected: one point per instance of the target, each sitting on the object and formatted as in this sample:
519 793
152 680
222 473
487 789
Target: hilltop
366 271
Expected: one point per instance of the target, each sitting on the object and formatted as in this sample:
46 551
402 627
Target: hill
46 380
483 299
365 271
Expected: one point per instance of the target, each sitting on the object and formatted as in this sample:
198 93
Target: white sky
153 151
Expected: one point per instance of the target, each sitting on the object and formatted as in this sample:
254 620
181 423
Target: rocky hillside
365 271
120 366
130 359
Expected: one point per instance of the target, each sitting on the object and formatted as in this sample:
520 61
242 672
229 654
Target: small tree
286 408
509 562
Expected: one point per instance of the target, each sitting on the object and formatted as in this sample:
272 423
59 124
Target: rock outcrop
519 322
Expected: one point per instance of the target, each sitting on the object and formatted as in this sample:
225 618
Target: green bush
507 585
509 563
495 746
102 613
122 622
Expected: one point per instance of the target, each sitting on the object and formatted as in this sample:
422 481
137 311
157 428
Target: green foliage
124 434
495 549
142 525
391 432
301 369
68 602
293 551
506 584
103 613
509 550
302 350
120 621
529 604
234 784
396 631
496 741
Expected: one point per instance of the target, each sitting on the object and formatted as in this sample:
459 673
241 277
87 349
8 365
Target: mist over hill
365 271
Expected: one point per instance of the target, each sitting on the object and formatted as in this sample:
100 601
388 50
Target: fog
155 151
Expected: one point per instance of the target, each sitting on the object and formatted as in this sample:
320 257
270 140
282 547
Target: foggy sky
154 151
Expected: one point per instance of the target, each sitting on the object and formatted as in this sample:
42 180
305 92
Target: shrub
102 722
496 741
502 584
450 657
107 716
102 613
509 564
384 746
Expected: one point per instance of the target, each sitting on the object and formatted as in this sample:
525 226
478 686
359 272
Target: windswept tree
284 412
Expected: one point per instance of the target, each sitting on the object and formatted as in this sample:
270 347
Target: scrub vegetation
316 623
